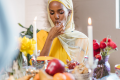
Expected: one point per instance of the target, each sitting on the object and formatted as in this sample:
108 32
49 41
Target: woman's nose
56 16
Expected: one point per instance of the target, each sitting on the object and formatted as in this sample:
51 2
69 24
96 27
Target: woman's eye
51 13
61 12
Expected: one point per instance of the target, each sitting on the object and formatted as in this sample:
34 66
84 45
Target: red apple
55 66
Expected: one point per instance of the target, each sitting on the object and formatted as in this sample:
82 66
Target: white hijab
72 41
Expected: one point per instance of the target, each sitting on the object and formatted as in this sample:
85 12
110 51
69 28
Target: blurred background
8 34
102 13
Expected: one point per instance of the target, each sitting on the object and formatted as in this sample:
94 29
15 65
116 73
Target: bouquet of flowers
26 43
102 52
27 46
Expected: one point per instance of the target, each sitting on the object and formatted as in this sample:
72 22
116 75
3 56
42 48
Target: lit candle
34 35
90 36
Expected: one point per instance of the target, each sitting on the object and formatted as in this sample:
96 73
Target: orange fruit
59 76
69 76
36 77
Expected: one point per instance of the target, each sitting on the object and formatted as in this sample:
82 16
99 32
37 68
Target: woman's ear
69 13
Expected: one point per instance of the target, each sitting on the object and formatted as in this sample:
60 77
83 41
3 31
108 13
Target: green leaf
19 59
38 30
31 28
29 33
22 26
28 58
22 32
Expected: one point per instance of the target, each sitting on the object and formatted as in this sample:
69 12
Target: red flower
98 57
102 45
112 44
94 41
96 52
109 40
96 46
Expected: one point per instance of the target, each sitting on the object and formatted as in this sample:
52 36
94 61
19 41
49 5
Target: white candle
34 35
90 36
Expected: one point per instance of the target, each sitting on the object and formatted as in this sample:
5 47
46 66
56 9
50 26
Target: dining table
112 76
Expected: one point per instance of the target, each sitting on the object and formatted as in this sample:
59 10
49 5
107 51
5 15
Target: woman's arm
54 32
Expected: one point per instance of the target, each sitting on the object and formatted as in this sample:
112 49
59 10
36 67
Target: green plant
29 31
29 34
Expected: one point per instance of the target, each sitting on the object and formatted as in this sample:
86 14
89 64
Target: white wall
18 8
102 13
36 8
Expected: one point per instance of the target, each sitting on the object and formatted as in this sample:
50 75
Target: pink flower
98 57
112 44
102 45
109 40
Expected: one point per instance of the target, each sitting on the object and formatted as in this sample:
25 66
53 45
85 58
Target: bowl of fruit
81 72
71 65
55 70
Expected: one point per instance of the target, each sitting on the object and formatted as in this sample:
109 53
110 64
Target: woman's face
58 12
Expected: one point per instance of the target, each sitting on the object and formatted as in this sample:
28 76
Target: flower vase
103 68
28 59
20 60
106 63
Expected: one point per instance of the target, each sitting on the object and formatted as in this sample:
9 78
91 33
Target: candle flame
35 18
89 21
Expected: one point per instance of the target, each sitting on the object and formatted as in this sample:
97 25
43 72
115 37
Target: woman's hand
56 31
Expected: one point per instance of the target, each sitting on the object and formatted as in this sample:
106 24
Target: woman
62 41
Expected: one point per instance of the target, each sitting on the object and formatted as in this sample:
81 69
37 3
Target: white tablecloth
112 76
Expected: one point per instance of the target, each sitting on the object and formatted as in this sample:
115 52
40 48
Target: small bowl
41 61
117 70
38 64
82 76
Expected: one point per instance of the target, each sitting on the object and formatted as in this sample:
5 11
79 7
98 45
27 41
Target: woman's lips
57 22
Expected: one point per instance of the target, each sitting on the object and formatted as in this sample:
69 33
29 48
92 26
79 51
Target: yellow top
57 51
74 42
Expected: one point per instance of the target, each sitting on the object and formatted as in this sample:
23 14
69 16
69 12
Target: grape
72 64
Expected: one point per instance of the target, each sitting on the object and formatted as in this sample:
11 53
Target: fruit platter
57 70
